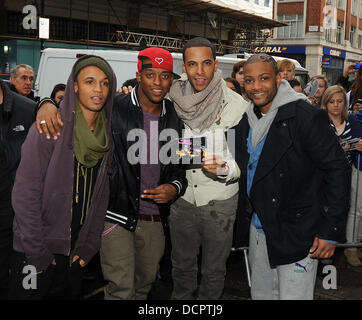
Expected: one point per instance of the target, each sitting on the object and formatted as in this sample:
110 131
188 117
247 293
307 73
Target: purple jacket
42 197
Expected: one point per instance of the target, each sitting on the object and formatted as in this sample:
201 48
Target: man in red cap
142 184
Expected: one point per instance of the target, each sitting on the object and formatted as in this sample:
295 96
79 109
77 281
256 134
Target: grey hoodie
260 127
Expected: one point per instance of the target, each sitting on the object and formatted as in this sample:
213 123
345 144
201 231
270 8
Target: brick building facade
323 35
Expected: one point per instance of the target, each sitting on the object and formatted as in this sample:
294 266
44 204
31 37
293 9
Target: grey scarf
198 110
260 127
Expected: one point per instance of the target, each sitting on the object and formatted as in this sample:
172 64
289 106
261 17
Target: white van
301 74
56 65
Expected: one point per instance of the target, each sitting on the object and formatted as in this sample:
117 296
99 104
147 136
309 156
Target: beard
269 98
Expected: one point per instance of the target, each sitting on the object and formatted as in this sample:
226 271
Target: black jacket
30 95
125 179
16 117
301 185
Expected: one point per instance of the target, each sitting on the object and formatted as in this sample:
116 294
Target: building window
267 3
330 34
339 31
256 1
351 35
341 4
294 29
354 8
360 39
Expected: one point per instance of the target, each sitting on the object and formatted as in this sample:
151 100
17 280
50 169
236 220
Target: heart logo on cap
159 60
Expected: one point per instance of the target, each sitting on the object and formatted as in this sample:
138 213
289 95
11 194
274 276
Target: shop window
294 29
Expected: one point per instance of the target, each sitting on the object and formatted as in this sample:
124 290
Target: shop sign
279 49
334 52
326 61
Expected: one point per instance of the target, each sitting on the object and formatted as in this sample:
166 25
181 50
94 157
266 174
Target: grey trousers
211 228
130 260
295 281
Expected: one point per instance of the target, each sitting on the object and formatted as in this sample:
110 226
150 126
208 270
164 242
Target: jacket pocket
296 212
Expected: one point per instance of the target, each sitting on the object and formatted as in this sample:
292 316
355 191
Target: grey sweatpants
295 281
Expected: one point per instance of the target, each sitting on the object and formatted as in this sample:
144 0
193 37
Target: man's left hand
161 194
322 249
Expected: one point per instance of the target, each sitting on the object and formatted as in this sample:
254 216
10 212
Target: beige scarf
198 110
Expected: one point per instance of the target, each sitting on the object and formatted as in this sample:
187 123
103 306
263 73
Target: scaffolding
142 40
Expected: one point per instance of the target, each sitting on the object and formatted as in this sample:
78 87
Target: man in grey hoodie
296 179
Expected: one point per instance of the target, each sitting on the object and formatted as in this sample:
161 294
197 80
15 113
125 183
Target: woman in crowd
322 86
233 84
287 69
347 128
58 92
356 89
238 74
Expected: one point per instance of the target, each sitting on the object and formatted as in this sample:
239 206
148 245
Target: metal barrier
245 250
357 196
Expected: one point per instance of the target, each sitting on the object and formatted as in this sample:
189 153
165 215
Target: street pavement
348 281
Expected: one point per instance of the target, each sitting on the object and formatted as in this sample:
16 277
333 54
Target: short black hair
263 57
294 83
198 42
130 82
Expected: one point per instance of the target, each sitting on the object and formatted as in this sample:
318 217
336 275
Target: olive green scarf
90 146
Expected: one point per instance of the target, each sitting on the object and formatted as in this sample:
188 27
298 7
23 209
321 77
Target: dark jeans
6 249
58 282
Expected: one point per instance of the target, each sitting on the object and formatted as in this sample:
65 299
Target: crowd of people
82 174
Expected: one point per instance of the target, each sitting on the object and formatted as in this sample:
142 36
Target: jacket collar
135 102
287 111
30 95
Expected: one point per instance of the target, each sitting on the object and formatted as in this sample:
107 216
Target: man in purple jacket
61 190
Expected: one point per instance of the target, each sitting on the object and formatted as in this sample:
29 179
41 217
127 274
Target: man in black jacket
142 187
16 116
143 184
22 80
297 180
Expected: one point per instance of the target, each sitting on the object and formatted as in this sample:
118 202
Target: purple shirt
150 164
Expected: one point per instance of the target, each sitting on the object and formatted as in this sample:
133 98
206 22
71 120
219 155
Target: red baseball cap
160 59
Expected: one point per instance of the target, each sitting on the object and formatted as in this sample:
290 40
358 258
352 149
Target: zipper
71 213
